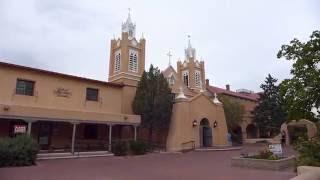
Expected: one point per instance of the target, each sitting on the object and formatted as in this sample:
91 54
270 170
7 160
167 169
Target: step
62 154
219 149
92 152
68 155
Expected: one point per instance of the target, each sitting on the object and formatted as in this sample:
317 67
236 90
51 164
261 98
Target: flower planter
245 162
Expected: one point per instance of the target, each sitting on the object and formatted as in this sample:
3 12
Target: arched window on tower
185 76
197 78
117 61
133 61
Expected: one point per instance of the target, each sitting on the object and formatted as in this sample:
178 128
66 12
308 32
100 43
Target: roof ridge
58 74
215 89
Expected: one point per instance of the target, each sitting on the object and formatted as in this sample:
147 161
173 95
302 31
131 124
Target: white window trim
171 80
187 73
115 61
197 84
136 70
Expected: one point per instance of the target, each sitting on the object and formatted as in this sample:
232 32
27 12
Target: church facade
198 118
68 113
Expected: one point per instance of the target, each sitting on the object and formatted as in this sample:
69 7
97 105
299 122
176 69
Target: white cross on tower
169 55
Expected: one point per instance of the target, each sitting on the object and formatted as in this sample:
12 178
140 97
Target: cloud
238 40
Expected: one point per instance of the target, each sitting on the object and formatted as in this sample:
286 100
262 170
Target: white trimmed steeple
127 56
190 52
129 27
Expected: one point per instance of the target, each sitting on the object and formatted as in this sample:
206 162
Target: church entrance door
205 133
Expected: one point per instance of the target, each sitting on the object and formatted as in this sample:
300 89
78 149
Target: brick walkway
189 166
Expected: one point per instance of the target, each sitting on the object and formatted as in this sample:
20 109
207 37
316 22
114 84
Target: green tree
234 112
301 93
269 114
153 101
308 151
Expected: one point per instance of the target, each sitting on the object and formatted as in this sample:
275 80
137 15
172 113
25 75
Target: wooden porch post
73 136
135 132
29 128
110 137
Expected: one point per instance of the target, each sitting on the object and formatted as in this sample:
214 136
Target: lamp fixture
194 123
6 108
215 124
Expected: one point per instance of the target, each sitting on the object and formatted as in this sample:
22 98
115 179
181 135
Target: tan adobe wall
202 107
124 45
128 94
185 112
110 98
191 66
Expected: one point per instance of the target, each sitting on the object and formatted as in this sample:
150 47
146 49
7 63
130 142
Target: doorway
205 133
251 131
44 136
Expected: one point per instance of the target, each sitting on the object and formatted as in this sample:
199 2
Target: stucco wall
185 112
109 97
202 107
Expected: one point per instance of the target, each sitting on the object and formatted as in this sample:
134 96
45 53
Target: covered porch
75 132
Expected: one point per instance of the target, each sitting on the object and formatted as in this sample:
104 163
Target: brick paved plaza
211 165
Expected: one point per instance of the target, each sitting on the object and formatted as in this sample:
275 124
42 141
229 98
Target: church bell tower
127 56
191 71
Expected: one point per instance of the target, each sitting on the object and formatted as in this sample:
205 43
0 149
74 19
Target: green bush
138 147
265 154
120 148
123 148
19 151
309 151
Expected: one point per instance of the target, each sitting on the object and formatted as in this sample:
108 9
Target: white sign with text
276 149
20 129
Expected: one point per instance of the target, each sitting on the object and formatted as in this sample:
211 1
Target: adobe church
69 113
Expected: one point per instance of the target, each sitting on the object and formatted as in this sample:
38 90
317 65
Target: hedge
19 151
123 148
139 147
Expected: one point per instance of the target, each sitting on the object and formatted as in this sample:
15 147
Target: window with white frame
133 61
117 61
171 80
197 78
185 76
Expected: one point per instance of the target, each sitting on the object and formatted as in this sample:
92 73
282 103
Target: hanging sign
20 129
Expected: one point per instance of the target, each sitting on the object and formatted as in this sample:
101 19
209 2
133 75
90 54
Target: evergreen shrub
19 151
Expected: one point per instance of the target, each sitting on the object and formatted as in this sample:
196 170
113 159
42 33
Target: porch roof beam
34 119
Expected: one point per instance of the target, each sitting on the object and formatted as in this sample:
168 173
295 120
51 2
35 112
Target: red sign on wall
20 129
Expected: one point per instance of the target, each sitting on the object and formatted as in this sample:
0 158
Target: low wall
307 173
257 140
280 164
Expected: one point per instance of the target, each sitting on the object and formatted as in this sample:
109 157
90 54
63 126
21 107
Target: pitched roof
251 96
5 64
167 72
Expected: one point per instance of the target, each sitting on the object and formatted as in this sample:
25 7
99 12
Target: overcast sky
237 39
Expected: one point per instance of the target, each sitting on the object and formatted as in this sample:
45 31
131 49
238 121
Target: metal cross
169 55
189 41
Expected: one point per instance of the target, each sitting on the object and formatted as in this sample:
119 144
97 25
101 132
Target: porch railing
188 145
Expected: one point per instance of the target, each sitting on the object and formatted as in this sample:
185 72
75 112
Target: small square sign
276 149
20 129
